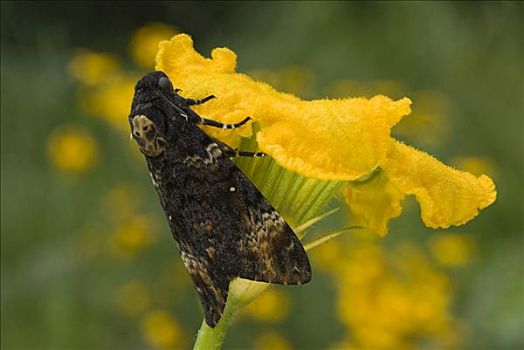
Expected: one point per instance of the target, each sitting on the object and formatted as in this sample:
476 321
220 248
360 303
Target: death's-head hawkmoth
223 225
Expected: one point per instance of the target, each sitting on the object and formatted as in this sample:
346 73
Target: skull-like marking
147 136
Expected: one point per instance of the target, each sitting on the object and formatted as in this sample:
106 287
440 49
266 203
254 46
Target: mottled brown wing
230 230
270 251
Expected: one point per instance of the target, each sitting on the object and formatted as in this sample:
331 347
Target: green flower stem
241 293
212 338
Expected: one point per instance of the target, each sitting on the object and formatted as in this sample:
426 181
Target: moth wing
230 230
268 249
211 286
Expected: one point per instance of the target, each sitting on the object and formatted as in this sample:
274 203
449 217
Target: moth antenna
178 109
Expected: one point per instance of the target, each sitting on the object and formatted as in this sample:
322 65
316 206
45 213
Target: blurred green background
87 259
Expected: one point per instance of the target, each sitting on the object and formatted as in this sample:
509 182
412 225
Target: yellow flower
344 139
132 298
161 330
144 43
90 68
302 136
72 149
389 300
452 249
270 306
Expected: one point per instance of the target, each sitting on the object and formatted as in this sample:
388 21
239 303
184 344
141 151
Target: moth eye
165 84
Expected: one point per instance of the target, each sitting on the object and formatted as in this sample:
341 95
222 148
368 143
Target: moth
223 225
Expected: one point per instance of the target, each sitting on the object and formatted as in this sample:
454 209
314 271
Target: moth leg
192 102
220 125
233 152
249 154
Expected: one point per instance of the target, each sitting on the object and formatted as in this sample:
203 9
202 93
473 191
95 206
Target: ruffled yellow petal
446 196
327 139
374 202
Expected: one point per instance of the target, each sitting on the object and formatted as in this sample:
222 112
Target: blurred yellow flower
391 301
91 68
161 330
271 340
328 256
72 149
110 99
271 306
346 139
133 235
107 90
132 298
144 43
452 249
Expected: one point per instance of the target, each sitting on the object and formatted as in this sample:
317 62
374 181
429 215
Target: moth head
151 87
153 97
150 113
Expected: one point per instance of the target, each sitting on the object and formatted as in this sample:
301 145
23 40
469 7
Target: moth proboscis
223 225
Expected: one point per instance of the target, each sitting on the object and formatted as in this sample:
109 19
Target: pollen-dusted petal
374 202
327 139
446 196
330 139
